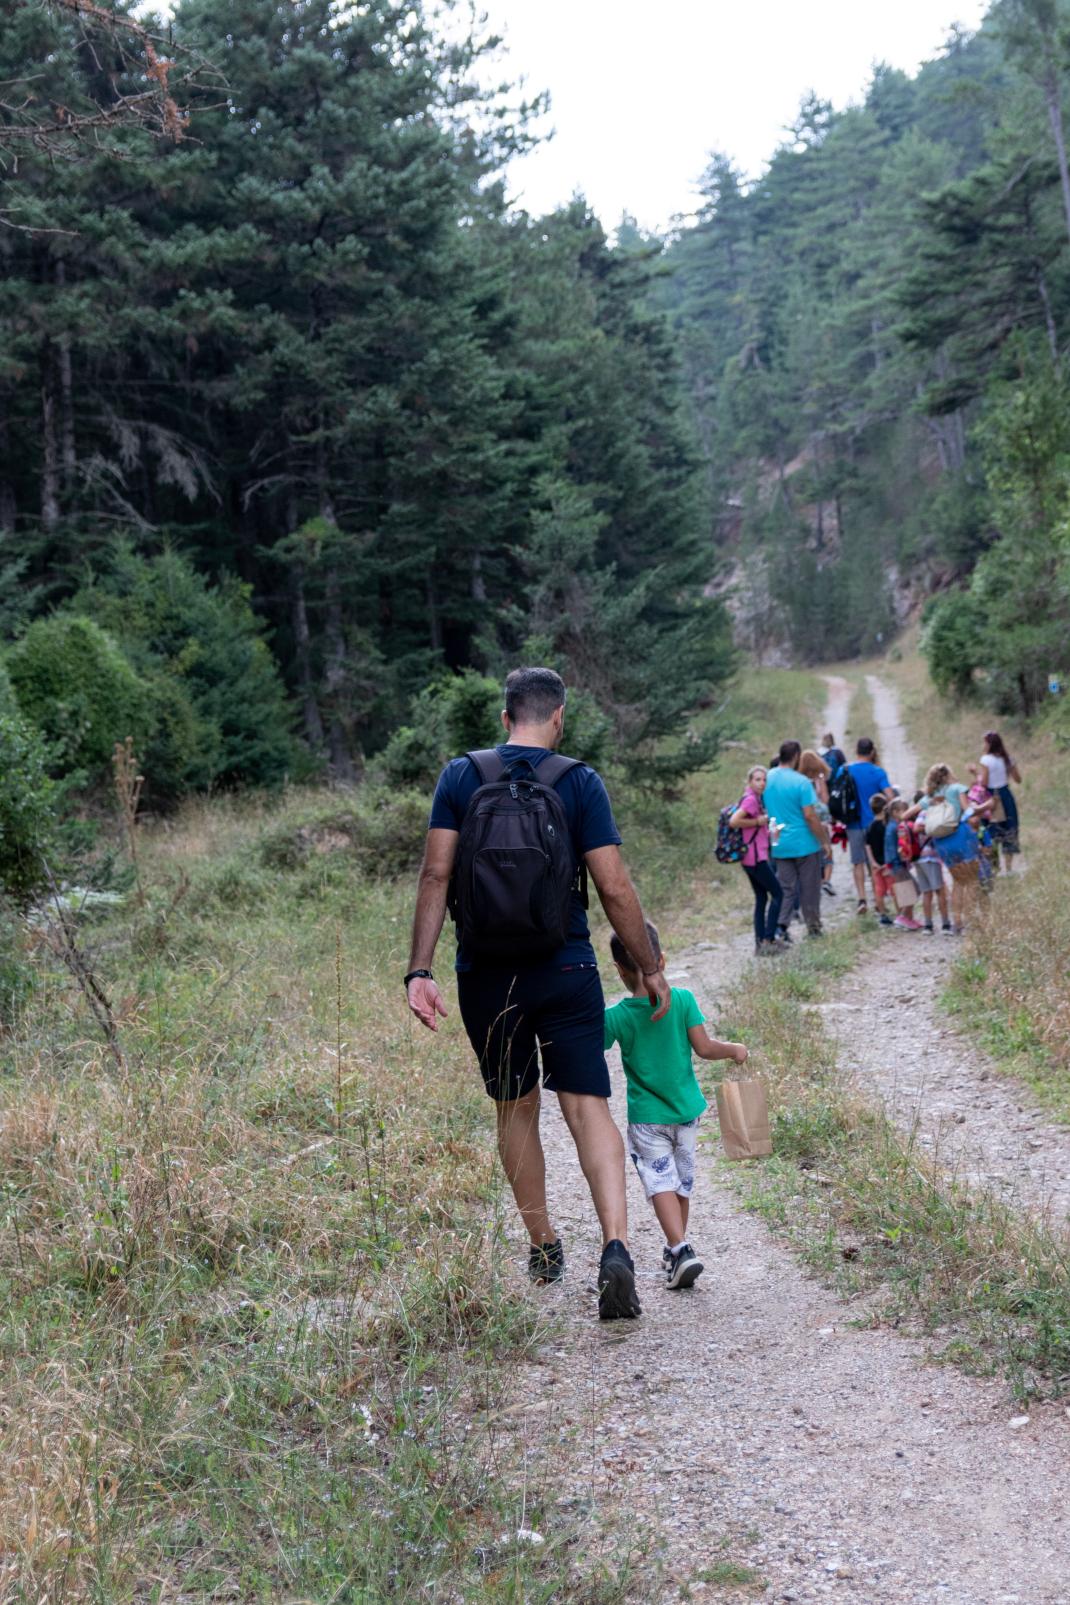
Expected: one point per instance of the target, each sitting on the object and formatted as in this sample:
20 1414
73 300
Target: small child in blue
664 1099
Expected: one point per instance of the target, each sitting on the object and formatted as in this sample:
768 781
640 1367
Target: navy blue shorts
513 1017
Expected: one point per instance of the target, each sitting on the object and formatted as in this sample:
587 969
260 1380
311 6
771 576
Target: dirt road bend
747 1418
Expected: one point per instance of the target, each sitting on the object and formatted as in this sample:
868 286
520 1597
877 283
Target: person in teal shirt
799 837
664 1099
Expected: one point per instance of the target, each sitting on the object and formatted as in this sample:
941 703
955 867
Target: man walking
528 985
791 800
869 778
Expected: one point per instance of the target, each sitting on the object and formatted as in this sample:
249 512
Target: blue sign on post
1054 684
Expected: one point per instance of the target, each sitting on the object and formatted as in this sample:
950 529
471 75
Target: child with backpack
900 850
664 1099
750 820
881 876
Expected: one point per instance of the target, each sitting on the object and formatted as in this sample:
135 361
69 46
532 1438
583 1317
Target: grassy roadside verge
257 1305
257 1320
1010 987
872 1215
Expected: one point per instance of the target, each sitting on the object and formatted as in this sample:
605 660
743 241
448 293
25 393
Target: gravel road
748 1419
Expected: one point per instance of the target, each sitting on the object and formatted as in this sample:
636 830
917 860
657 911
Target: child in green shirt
664 1099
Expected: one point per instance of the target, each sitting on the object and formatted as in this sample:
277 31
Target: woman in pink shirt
752 819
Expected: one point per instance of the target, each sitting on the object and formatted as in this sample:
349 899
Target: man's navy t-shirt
590 819
869 778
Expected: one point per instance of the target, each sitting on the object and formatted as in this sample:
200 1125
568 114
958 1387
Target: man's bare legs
520 1147
601 1153
600 1147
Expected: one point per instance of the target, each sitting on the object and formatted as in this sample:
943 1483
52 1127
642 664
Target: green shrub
26 809
463 712
380 830
74 684
16 977
8 701
952 636
221 713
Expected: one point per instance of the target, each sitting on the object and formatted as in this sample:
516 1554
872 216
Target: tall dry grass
258 1316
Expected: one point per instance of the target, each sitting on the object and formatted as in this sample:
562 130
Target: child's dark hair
622 955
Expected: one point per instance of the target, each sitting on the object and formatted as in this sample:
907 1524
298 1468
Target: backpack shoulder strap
555 768
488 765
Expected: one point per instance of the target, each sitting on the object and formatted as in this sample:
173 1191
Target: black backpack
731 844
844 802
516 869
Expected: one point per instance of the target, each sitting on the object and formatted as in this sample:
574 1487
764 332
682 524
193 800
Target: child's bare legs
671 1210
941 903
927 907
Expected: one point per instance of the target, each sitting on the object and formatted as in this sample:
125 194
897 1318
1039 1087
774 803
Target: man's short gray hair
532 696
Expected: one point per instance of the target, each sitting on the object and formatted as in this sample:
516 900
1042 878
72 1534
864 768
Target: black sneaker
929 926
828 888
684 1267
617 1298
666 1257
546 1262
783 935
947 926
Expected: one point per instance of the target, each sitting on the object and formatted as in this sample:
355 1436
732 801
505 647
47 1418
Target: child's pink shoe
906 924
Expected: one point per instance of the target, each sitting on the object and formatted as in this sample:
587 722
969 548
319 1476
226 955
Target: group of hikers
516 832
941 846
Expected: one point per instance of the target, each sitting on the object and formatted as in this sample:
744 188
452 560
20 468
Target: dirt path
837 708
896 754
933 1079
747 1418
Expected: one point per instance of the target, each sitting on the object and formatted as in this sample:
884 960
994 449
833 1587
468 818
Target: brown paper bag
905 892
743 1112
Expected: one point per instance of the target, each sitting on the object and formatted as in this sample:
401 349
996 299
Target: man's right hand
659 992
425 1001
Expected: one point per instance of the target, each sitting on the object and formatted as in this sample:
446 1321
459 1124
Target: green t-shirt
662 1089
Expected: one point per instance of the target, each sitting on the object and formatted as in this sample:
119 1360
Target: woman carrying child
898 843
752 819
996 769
945 806
664 1099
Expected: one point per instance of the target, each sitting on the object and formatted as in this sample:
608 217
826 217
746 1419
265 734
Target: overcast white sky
642 92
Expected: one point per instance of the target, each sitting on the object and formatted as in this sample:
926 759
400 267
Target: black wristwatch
417 975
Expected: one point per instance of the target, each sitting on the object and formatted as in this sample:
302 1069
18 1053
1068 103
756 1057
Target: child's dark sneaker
946 926
617 1298
684 1267
929 926
886 919
546 1262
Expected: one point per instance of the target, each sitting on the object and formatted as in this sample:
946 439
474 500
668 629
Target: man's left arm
425 999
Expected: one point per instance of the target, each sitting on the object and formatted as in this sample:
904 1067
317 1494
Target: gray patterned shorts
664 1156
